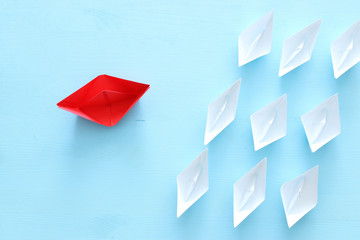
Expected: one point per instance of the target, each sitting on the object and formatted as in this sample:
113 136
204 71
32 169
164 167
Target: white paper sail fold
322 123
345 50
221 112
192 183
298 48
256 40
249 192
300 195
269 123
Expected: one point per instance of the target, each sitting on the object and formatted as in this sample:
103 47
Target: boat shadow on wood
123 142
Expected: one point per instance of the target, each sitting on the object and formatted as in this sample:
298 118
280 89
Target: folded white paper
298 48
256 40
192 183
269 123
345 50
299 195
249 192
221 112
322 123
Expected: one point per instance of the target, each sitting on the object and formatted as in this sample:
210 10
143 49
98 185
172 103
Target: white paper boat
192 183
256 40
322 123
298 48
269 123
249 192
221 112
299 195
345 50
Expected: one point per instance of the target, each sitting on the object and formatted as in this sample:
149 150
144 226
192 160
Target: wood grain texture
63 177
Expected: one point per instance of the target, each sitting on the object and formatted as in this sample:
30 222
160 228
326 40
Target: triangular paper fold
221 112
249 192
192 183
256 40
298 48
105 99
322 123
345 50
300 195
269 123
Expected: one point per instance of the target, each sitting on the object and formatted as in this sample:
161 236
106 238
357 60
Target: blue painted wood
63 177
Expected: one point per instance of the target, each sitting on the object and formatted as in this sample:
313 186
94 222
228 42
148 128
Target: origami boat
105 99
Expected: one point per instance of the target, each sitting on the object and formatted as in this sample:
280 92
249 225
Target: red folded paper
105 99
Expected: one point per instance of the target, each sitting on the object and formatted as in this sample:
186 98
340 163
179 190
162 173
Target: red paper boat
104 100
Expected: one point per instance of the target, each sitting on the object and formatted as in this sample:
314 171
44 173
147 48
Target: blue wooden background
64 177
